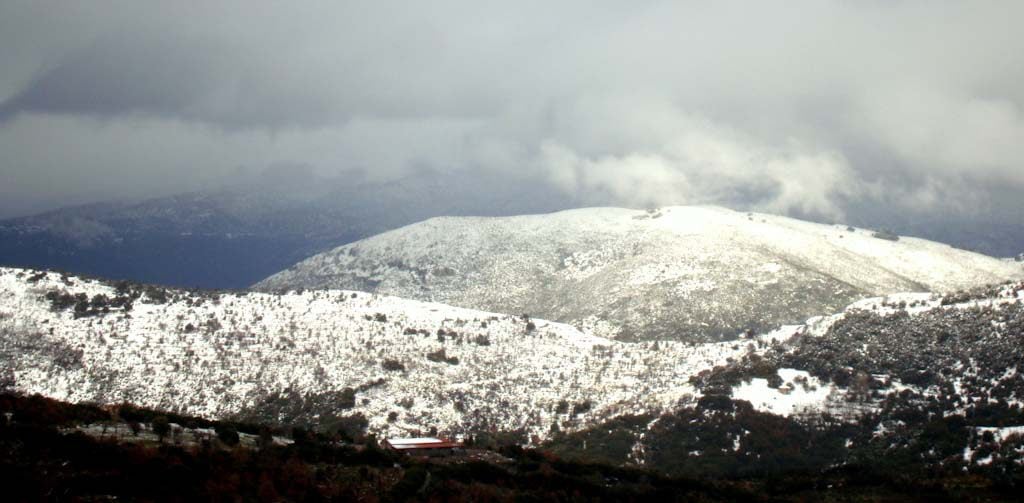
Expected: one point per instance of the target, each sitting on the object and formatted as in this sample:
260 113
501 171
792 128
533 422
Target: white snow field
682 273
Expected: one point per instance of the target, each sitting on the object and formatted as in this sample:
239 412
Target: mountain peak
693 273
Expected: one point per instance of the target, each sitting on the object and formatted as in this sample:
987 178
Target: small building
423 446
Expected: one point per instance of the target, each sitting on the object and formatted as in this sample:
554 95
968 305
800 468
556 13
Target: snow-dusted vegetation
902 381
918 379
329 357
916 384
679 273
963 347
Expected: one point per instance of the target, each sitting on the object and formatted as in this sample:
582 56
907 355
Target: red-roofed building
424 446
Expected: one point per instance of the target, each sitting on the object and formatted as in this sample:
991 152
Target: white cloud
794 107
695 162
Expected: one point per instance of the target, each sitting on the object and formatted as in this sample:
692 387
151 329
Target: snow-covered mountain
320 356
233 236
677 273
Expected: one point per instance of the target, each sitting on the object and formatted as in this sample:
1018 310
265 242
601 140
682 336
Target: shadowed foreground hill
47 453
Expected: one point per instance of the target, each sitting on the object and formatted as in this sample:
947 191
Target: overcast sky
794 106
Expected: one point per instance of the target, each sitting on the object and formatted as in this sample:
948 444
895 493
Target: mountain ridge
690 273
232 236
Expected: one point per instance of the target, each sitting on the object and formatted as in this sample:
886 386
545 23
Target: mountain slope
232 237
322 356
686 273
912 383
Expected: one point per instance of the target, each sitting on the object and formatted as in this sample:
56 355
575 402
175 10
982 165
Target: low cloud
706 165
807 107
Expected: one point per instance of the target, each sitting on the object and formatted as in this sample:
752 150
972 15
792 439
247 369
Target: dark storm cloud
118 75
799 106
246 65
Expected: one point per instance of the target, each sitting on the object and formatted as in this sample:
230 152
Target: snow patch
793 397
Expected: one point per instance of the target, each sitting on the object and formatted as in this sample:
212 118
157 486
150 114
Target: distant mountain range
694 274
234 236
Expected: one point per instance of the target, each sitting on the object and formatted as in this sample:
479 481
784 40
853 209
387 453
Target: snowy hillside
893 382
887 378
963 347
323 356
678 273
